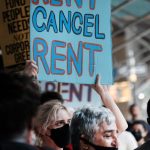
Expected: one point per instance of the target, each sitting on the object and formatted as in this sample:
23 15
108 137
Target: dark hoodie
16 146
19 146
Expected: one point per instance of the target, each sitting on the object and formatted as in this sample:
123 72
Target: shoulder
145 146
129 144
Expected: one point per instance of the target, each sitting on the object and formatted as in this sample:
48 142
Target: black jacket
19 146
16 146
145 146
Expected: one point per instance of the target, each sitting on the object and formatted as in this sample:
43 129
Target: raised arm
109 103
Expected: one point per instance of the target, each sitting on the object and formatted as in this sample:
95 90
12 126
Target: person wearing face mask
52 125
94 128
31 70
51 96
140 131
97 128
146 145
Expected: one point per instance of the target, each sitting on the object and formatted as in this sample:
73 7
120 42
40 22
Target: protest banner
78 95
71 40
74 95
14 32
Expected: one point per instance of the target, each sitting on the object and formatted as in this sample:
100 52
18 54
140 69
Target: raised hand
31 69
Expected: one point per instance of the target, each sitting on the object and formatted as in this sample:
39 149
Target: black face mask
61 136
137 135
97 147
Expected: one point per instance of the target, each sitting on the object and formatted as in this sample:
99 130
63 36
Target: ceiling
131 38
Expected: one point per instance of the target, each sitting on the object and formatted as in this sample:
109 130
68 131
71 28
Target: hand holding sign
30 69
71 41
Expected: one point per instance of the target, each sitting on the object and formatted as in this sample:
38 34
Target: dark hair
148 111
148 108
51 95
141 122
19 100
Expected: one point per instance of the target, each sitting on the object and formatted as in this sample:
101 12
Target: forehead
63 114
135 108
138 126
104 127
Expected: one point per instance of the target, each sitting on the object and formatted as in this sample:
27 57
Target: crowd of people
31 120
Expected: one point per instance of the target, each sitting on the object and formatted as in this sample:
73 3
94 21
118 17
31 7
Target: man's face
107 135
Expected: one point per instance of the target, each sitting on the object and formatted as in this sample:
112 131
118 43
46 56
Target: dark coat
16 146
145 146
19 146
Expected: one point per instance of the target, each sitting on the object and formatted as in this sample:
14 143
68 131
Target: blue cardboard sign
71 41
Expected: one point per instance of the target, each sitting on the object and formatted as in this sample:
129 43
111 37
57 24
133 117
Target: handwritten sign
74 95
14 31
70 40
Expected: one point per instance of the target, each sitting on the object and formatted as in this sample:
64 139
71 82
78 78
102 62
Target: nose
66 122
115 140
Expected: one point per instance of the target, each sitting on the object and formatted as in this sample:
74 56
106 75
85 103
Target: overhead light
133 77
132 61
141 96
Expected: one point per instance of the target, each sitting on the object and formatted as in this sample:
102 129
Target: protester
135 112
140 131
97 128
146 145
31 70
19 101
52 96
94 128
52 125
